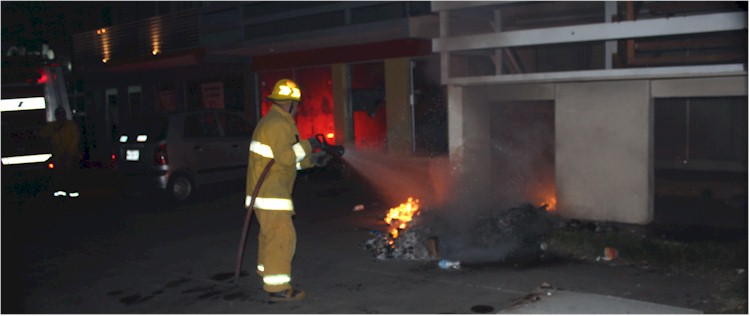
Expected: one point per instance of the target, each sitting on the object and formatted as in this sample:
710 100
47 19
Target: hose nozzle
335 150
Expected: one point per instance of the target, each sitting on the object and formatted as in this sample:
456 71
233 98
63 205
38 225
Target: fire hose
248 216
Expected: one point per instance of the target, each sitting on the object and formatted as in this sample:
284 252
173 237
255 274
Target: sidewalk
565 302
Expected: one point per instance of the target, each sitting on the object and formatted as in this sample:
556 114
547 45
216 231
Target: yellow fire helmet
285 89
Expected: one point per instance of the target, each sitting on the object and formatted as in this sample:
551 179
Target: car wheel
180 188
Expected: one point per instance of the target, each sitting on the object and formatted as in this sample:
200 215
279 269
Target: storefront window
368 105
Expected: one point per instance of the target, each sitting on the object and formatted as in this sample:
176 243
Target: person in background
276 140
66 154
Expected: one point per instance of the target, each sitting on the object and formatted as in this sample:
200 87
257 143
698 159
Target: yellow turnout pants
277 242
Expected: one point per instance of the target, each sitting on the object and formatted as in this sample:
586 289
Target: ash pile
481 237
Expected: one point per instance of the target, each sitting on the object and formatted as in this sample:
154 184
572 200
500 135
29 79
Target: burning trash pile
482 237
399 242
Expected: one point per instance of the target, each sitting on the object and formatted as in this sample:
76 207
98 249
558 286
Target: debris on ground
486 237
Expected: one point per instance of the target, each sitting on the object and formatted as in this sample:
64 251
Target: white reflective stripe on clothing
261 149
74 194
299 151
261 268
274 204
277 279
60 193
299 166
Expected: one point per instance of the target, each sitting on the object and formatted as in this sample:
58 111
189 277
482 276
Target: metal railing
229 23
146 37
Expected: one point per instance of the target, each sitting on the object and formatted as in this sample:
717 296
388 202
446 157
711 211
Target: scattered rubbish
358 208
447 264
495 235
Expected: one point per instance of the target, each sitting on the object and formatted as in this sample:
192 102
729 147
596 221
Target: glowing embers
399 217
549 204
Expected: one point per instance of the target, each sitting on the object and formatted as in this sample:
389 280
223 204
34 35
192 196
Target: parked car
181 151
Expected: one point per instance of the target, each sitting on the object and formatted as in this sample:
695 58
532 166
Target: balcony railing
223 24
146 37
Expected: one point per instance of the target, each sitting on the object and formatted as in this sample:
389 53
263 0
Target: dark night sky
32 23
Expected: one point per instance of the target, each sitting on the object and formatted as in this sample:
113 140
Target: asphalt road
104 253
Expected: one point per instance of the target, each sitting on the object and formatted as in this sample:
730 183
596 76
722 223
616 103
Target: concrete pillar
399 112
477 144
469 141
250 97
604 151
342 114
455 121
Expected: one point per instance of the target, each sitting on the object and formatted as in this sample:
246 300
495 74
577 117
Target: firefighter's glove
314 143
321 158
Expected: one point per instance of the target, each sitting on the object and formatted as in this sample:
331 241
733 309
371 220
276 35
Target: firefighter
276 138
66 154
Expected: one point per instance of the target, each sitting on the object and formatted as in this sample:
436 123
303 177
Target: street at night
397 157
107 254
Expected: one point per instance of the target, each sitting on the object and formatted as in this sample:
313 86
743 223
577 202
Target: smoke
503 185
482 205
398 177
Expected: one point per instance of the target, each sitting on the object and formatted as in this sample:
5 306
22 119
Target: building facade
588 102
352 59
589 107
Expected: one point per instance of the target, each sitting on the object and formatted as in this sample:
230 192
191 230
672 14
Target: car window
201 125
235 126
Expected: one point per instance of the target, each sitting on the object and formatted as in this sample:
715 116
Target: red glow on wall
370 123
370 131
316 110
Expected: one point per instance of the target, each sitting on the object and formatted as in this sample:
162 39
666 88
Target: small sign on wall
213 95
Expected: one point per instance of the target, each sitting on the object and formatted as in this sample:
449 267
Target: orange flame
399 217
550 203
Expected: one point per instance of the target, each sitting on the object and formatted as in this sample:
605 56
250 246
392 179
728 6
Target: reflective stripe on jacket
276 137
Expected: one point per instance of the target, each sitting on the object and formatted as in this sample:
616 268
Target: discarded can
447 264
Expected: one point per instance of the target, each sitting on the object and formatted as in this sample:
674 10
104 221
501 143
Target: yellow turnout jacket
276 137
65 141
